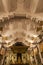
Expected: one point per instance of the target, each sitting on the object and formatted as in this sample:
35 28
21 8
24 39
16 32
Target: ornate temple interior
21 32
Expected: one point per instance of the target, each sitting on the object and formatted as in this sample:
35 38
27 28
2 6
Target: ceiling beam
5 5
33 6
20 6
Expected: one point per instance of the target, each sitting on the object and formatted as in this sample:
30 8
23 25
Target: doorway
19 57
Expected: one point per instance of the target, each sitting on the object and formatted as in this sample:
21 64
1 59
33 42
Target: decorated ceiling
21 21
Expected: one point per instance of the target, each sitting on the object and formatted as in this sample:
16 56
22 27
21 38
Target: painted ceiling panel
1 7
39 8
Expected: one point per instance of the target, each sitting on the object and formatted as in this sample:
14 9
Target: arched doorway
19 54
20 50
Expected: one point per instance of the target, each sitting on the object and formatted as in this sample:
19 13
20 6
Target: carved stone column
40 53
35 57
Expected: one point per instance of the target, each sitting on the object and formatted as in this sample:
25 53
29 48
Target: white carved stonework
20 28
21 21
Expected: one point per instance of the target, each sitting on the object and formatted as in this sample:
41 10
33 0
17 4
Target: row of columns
39 51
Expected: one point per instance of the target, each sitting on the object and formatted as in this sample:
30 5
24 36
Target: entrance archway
19 54
19 44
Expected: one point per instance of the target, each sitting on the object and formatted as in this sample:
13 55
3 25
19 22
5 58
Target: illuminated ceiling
21 20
